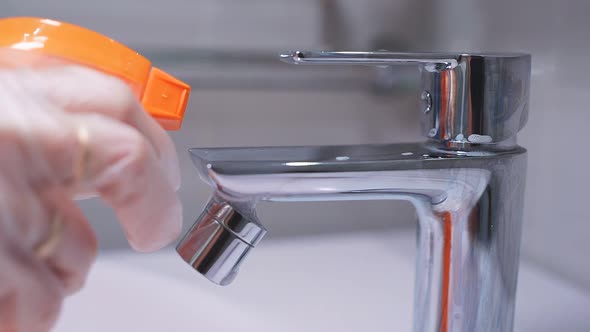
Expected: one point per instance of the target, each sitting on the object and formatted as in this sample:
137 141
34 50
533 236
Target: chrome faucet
466 182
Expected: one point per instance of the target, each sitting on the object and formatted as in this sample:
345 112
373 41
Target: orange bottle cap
163 96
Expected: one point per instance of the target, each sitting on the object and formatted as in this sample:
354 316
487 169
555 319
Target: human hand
67 132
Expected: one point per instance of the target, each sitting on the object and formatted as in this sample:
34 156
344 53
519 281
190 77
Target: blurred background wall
243 96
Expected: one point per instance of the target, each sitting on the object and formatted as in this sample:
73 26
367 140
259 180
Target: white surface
119 297
361 282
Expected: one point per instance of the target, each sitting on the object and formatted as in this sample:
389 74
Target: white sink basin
358 282
123 297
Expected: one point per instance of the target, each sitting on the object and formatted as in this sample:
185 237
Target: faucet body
469 209
467 190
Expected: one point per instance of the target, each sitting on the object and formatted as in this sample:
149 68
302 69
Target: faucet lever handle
430 61
466 98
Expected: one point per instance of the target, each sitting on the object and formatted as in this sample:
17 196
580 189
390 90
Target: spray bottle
40 42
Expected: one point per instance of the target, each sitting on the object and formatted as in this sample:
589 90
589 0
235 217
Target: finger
32 294
22 213
23 279
82 90
76 245
8 298
118 163
124 170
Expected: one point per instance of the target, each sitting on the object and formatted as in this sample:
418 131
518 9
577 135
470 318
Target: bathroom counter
348 282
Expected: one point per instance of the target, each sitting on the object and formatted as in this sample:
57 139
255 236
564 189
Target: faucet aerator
219 241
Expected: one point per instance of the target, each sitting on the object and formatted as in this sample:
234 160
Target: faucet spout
469 206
